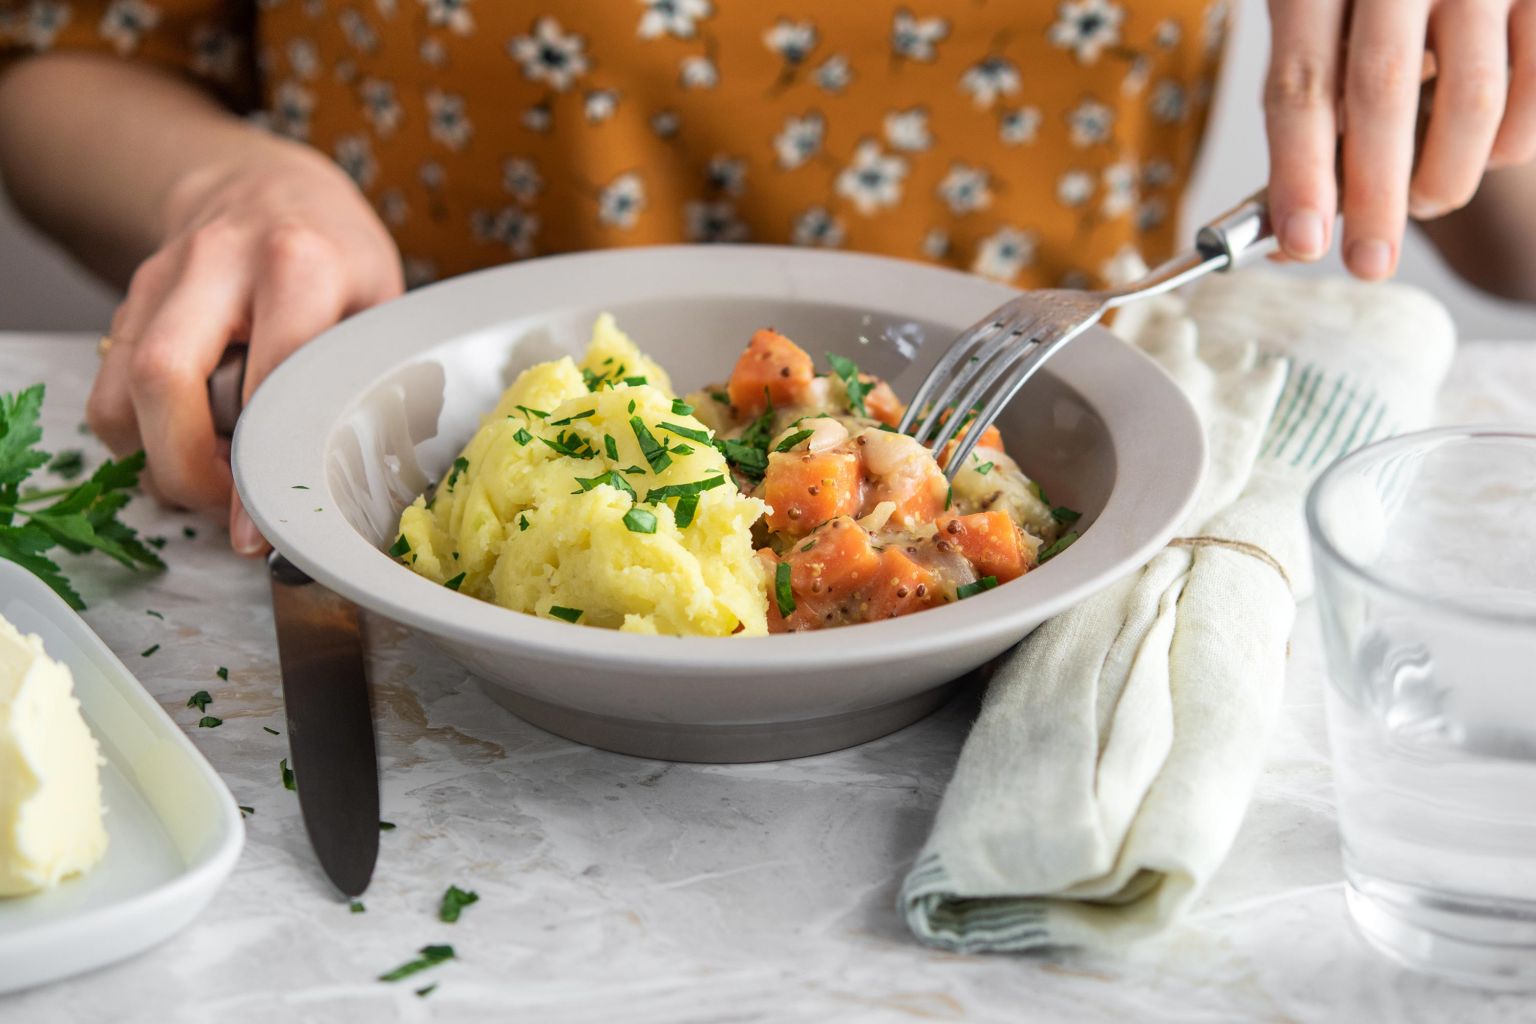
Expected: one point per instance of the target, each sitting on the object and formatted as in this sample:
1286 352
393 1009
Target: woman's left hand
1352 72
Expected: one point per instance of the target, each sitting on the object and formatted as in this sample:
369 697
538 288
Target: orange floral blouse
1030 142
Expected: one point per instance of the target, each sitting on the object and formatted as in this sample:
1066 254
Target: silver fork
988 364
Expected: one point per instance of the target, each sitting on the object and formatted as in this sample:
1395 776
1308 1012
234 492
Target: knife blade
330 723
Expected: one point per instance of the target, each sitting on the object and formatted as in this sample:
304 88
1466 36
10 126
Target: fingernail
243 535
1420 209
1303 235
1369 259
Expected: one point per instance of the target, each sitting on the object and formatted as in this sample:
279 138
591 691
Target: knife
325 693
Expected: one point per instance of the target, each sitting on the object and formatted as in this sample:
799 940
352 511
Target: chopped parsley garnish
568 614
640 520
522 436
653 450
455 582
454 902
612 479
635 381
848 372
573 418
611 447
949 497
686 508
792 440
656 494
209 722
808 545
246 811
430 956
691 433
721 397
400 548
155 614
158 543
68 464
985 468
540 413
426 990
268 728
299 487
386 826
631 405
966 590
681 407
522 523
151 649
460 464
632 470
1065 516
222 673
571 445
287 774
681 449
782 593
356 906
1061 544
191 534
200 700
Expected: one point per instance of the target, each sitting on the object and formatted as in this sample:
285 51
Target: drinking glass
1424 548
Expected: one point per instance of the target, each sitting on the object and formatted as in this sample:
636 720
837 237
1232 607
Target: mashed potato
584 497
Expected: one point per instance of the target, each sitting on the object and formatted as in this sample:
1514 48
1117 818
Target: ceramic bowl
357 423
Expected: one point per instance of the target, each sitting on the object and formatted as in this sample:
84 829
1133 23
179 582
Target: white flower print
873 180
450 14
599 105
124 23
215 53
1136 76
433 52
989 79
917 38
666 123
965 189
1168 103
621 201
355 156
45 20
1074 188
800 139
834 74
1216 26
303 58
418 271
549 55
1168 34
817 226
714 222
672 18
380 106
292 105
697 72
1005 252
520 176
1086 27
393 209
908 130
386 7
936 244
1151 213
1120 192
727 174
791 40
447 122
346 71
1019 126
359 33
512 226
537 118
1090 122
431 175
1156 173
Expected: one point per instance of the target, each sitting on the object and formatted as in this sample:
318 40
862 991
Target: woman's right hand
269 251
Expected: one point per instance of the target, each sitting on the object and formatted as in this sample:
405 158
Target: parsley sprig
80 518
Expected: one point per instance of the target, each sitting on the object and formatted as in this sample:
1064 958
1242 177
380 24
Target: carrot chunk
901 586
991 542
772 368
882 402
827 572
807 489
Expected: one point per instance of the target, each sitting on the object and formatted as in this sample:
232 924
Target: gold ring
103 344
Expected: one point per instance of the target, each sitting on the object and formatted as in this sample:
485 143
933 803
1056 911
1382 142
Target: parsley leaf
568 614
386 826
687 506
460 464
691 433
356 906
656 494
429 956
782 592
792 440
223 673
681 407
287 774
985 468
652 449
268 728
1061 544
522 437
573 418
400 548
454 902
848 372
454 583
151 649
200 700
611 447
245 811
612 478
966 590
640 520
209 722
1065 516
540 413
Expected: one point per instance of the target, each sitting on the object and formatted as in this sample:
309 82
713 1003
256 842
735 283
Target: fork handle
1243 230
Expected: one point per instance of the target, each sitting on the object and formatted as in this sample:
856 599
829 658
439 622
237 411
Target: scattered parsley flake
656 494
949 497
455 583
271 730
430 956
631 405
200 700
245 811
522 523
1065 516
985 468
189 533
632 470
155 614
540 413
635 381
151 649
454 902
522 436
654 452
681 408
683 514
573 418
966 590
158 543
611 479
691 433
611 447
287 774
426 990
640 520
68 465
356 906
571 444
808 545
1061 544
568 614
792 440
721 397
386 826
222 673
460 464
400 548
300 487
783 594
848 372
209 722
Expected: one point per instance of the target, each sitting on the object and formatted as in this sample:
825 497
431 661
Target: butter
50 779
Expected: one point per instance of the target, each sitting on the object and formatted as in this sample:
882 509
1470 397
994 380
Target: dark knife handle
226 390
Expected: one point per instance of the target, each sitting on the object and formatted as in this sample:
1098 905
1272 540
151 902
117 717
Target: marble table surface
619 889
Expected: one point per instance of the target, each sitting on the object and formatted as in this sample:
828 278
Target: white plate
173 828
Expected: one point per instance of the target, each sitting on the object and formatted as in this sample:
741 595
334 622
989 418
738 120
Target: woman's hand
1354 70
270 252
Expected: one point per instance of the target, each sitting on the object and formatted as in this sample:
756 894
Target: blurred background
39 289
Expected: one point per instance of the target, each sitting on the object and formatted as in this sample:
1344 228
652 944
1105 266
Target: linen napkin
1117 747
